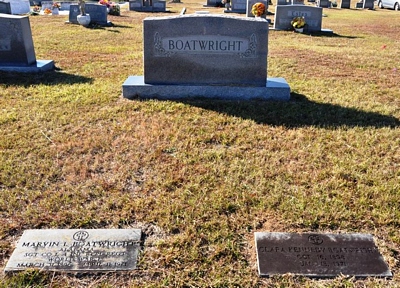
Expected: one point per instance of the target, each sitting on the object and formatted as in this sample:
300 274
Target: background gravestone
5 7
196 49
368 4
16 46
147 5
98 13
16 43
324 3
284 14
345 4
19 6
250 4
47 5
283 2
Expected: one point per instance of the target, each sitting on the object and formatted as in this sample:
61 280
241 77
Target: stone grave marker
147 5
211 3
250 4
284 15
17 52
19 7
65 5
368 4
46 5
205 55
283 2
319 255
345 4
324 3
5 7
98 13
75 250
237 6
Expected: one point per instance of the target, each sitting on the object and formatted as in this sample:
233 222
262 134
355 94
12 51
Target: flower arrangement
47 11
298 22
105 2
35 10
56 5
258 9
113 8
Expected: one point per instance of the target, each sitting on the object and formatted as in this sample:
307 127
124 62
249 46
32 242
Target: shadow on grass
298 112
46 78
330 35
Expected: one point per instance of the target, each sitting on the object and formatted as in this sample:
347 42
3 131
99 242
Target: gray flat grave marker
319 255
74 250
237 6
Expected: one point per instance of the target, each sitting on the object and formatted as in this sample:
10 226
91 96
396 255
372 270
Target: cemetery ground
199 177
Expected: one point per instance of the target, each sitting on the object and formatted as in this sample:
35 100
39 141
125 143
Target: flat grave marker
76 250
319 255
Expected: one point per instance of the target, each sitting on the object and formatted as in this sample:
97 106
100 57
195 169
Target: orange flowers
258 9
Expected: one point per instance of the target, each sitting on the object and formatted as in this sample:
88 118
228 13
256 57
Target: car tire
396 7
380 5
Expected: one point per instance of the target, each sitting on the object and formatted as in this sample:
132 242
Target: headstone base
275 89
40 66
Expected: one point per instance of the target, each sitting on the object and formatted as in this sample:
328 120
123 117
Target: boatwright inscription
77 250
319 255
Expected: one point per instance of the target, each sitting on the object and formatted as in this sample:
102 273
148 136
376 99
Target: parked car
392 4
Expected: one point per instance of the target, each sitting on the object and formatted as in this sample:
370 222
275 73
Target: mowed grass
200 177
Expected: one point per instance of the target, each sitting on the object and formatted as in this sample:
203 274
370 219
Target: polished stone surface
76 250
319 255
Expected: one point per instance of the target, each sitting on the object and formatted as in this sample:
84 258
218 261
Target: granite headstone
345 4
74 250
205 55
237 6
319 255
16 43
17 52
98 13
250 4
19 7
5 7
284 14
324 3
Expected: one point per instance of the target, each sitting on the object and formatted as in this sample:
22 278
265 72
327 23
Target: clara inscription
319 255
